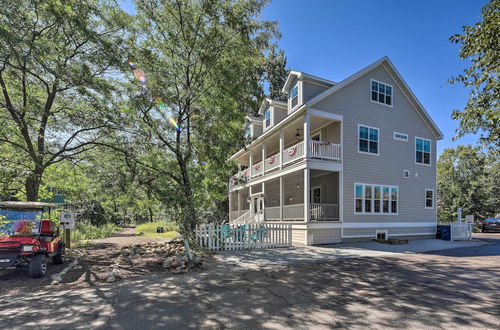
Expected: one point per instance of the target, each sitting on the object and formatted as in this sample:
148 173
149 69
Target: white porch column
282 147
282 198
306 194
238 198
230 204
264 149
250 198
250 165
307 134
264 198
239 171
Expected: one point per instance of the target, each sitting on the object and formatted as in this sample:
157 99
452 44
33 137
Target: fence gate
240 237
461 231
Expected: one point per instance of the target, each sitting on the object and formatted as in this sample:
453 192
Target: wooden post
67 236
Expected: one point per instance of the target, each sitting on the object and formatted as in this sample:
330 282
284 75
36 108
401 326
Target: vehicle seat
48 228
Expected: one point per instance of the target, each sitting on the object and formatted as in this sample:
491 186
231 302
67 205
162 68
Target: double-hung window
267 117
429 198
294 95
375 199
368 139
422 151
381 92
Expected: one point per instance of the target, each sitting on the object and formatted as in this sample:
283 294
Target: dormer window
248 132
267 117
293 95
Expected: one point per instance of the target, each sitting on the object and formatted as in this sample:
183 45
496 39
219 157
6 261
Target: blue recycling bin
444 231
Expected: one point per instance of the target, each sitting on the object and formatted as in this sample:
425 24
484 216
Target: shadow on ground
419 292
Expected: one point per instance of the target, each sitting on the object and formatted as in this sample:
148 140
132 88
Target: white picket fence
243 237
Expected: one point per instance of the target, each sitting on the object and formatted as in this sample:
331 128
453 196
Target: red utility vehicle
26 239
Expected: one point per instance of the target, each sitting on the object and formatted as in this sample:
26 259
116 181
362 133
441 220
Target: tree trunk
32 185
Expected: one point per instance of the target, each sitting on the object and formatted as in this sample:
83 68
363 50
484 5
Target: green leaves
480 44
468 178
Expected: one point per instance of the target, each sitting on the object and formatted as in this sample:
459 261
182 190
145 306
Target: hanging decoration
292 151
271 160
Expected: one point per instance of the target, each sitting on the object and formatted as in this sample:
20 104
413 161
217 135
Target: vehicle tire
38 266
60 258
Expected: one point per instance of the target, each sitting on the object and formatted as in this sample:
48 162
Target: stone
54 283
125 252
176 263
111 279
168 262
56 278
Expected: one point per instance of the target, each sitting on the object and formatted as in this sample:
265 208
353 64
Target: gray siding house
342 161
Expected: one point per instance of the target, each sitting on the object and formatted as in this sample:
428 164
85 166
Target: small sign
469 218
68 220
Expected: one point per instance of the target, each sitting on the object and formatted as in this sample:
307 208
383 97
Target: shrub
85 231
150 227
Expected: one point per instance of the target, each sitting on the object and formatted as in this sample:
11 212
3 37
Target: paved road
448 289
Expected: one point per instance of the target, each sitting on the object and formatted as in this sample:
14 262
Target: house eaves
398 78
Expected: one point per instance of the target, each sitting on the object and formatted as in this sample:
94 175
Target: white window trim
373 199
271 119
299 96
367 152
425 199
377 102
385 231
400 139
320 194
409 174
415 151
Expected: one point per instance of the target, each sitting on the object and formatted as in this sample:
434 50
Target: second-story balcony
291 145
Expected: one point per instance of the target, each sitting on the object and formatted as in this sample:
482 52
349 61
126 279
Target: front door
258 207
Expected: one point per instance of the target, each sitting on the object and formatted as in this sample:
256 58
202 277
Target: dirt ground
94 262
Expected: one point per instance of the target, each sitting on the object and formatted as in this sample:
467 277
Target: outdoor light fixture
298 185
297 135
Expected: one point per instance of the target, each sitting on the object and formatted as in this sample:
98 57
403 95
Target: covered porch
305 195
315 135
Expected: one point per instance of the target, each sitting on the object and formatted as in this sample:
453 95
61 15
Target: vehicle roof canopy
27 205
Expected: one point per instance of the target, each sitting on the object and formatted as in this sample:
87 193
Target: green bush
150 227
85 231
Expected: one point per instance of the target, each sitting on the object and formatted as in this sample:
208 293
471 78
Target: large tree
56 95
468 178
203 63
276 73
480 44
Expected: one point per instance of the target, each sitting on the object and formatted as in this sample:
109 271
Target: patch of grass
149 229
84 232
168 234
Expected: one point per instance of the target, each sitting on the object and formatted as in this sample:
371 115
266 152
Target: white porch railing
257 169
293 212
323 149
272 213
233 215
272 162
323 212
293 153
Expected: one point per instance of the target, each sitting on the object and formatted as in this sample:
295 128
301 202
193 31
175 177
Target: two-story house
341 161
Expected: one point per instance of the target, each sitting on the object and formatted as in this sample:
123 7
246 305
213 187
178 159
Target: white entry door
258 207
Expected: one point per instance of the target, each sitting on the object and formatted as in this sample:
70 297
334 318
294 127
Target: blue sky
335 38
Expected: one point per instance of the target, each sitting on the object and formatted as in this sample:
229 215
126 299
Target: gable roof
268 101
302 75
399 80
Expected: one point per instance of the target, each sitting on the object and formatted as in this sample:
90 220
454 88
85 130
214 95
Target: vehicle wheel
38 266
61 257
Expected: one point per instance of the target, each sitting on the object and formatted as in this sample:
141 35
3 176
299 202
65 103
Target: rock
111 279
125 252
54 283
176 263
168 262
56 278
